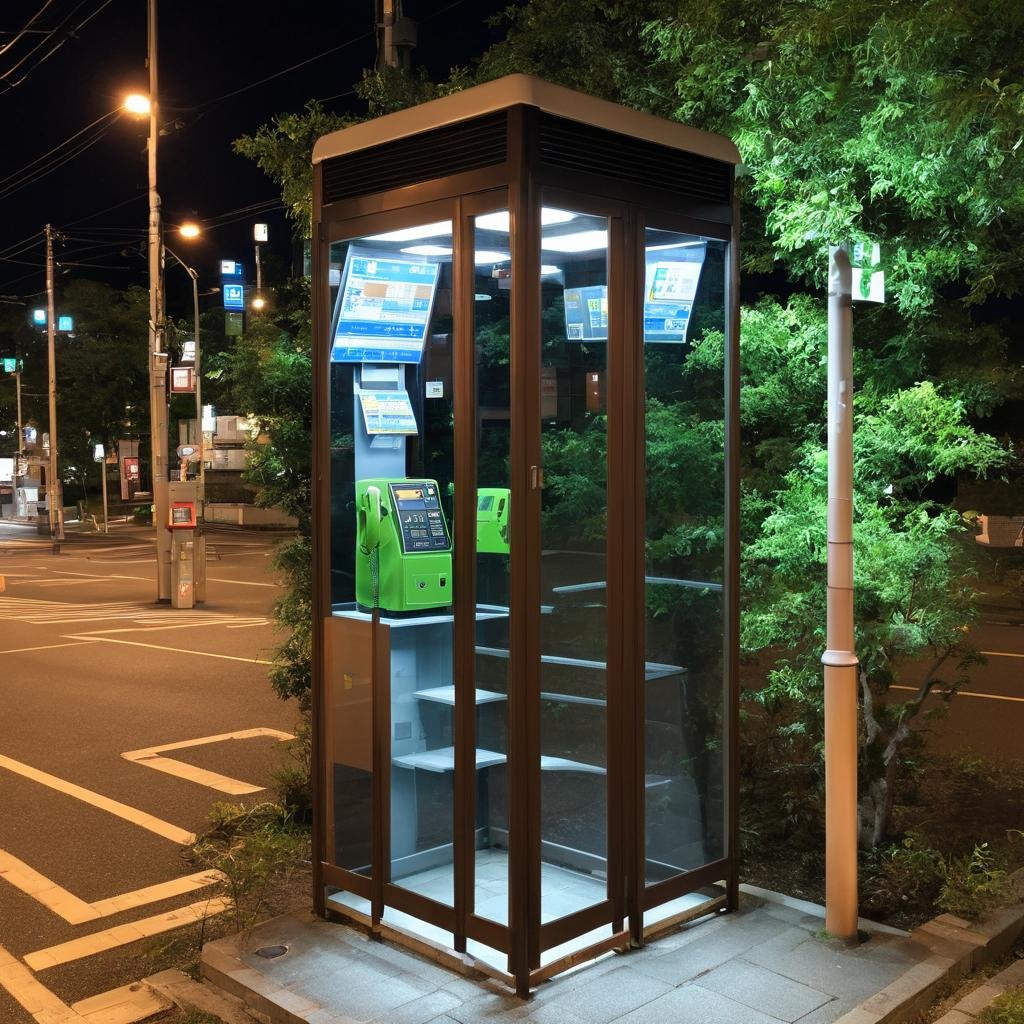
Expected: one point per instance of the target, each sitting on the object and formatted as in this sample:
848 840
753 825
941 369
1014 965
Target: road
987 715
92 669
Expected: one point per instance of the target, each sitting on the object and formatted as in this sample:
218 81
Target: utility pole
840 658
21 426
157 355
199 389
54 493
396 36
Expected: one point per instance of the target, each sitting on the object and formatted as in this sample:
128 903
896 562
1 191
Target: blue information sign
65 323
383 308
234 296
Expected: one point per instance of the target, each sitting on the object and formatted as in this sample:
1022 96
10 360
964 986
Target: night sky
206 50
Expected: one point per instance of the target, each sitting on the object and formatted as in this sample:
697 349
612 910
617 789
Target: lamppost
141 105
190 230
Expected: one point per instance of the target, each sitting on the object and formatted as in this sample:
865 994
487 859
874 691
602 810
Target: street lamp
136 103
189 230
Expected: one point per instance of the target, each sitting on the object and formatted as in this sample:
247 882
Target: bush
975 884
143 514
252 848
293 779
1006 1009
904 876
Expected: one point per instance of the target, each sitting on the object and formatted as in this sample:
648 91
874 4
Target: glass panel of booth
574 505
685 723
392 476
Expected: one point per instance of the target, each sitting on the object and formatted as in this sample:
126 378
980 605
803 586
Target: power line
277 74
109 209
70 138
64 38
54 164
31 21
9 251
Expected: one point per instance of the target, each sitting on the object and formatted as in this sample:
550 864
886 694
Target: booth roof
514 90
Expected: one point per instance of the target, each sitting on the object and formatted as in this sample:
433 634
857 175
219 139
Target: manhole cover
270 952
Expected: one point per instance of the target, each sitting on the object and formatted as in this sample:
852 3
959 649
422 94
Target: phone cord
375 576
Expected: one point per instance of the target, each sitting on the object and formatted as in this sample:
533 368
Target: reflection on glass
391 527
574 620
684 541
492 289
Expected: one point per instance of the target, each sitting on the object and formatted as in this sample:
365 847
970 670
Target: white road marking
74 910
46 647
35 997
175 650
100 942
124 1005
242 583
147 821
1002 654
150 757
968 693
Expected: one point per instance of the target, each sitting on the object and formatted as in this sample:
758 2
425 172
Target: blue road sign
234 296
39 317
65 323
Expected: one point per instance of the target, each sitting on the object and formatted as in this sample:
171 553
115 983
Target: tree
270 376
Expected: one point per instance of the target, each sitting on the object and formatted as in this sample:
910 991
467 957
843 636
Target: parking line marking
969 693
34 996
131 814
242 583
123 934
74 910
1003 654
46 647
150 757
177 650
124 1005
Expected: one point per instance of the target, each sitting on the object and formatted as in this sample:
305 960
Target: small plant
292 780
910 872
252 847
974 884
142 514
1005 1009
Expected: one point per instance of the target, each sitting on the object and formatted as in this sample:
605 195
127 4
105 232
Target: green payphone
492 520
404 558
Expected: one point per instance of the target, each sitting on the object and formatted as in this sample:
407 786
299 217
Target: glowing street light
190 230
137 103
259 302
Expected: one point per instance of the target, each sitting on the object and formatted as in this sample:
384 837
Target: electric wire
64 38
99 213
31 21
18 247
42 172
60 145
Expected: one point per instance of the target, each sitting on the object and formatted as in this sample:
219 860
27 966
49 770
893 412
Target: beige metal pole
201 476
54 493
103 478
840 658
157 358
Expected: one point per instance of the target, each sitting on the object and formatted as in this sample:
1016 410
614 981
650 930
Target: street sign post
99 455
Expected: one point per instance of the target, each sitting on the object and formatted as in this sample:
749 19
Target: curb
975 1002
957 948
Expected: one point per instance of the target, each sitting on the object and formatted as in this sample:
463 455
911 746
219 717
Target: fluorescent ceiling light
427 250
442 227
546 269
674 245
578 241
499 221
490 256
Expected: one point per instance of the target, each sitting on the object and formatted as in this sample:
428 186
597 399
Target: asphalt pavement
93 669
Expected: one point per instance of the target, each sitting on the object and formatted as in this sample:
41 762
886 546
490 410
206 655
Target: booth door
684 688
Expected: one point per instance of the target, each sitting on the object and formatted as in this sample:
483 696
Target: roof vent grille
465 146
579 147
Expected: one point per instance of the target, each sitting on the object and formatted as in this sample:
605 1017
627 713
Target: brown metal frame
519 185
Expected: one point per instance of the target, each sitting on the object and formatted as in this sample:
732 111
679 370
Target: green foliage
283 150
252 848
908 872
975 884
270 376
292 780
1007 1008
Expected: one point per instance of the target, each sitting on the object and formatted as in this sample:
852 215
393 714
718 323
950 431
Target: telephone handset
370 514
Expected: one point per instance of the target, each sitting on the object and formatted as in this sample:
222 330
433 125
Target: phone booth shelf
525 527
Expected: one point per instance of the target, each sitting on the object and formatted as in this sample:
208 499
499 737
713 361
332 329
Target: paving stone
827 969
358 995
762 989
974 1002
421 1010
698 957
492 1008
602 1000
693 1004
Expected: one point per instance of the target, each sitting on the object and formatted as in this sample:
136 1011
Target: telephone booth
525 527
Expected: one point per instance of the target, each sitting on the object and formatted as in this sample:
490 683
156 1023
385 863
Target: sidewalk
763 965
